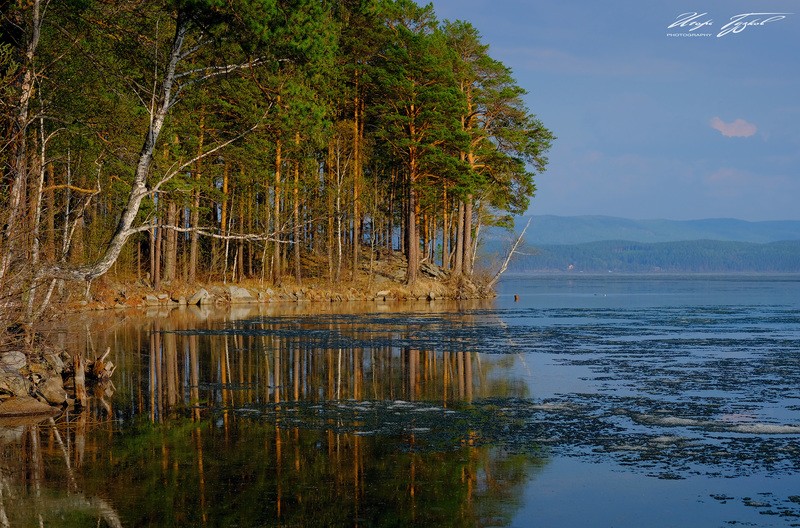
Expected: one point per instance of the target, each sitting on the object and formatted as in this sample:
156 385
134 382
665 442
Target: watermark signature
697 24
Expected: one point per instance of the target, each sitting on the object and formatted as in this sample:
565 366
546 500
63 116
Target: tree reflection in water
273 419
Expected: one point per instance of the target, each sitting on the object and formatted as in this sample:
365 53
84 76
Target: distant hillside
582 229
697 256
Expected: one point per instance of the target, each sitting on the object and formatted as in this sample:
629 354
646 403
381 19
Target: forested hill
581 229
603 243
695 256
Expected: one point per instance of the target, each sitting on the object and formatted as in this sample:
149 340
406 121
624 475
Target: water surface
589 401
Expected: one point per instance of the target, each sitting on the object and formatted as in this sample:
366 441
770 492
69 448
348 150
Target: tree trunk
331 210
276 218
296 213
458 265
445 231
16 198
224 224
240 242
412 237
357 171
467 248
50 216
194 243
139 185
171 243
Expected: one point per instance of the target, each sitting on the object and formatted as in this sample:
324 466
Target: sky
700 120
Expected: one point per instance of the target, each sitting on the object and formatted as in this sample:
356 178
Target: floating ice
763 428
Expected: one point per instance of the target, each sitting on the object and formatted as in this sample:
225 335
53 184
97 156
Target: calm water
589 401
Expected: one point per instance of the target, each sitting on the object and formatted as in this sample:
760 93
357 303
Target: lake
583 401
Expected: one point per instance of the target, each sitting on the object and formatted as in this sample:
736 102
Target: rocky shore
383 285
39 379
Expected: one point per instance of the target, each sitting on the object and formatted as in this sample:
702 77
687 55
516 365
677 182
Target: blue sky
651 125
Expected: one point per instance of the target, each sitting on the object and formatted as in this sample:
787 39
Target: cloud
738 128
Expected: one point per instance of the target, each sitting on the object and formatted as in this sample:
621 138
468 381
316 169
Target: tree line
208 140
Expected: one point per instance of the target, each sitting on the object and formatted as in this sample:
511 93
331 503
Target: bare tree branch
513 250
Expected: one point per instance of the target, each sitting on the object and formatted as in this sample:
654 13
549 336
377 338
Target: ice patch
737 418
674 421
762 428
554 407
667 439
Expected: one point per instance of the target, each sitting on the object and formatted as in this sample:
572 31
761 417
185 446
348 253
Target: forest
270 140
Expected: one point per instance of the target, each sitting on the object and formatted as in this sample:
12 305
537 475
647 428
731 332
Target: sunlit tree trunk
50 215
331 209
467 246
357 171
445 230
194 243
156 249
459 253
296 213
240 249
171 243
276 218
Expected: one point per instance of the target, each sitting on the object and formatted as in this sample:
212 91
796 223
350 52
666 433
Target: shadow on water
261 416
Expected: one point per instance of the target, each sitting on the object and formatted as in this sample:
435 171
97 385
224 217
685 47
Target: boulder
13 384
200 297
13 360
55 362
240 295
52 390
26 406
432 270
151 300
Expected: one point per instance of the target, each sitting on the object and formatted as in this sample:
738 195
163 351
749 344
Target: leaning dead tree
171 85
162 102
511 252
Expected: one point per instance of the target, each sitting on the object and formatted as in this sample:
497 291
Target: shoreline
39 381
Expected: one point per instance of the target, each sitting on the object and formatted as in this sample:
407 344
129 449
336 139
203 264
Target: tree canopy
174 139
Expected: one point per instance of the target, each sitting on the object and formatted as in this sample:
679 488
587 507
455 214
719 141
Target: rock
14 384
14 360
382 295
431 296
25 406
52 390
55 362
151 300
181 300
163 297
433 270
200 297
240 295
